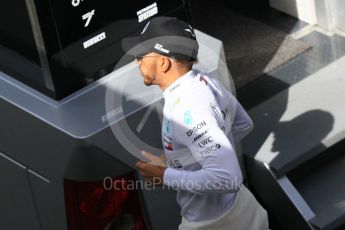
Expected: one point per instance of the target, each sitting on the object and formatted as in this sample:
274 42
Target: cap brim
173 46
134 47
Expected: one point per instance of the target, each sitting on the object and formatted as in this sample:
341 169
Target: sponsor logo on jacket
199 136
209 150
174 163
205 142
167 144
196 128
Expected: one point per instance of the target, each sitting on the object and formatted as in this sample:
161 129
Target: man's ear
164 64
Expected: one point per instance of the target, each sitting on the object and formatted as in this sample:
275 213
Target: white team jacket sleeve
242 124
196 129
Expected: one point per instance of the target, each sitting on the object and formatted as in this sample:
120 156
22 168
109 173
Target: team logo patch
188 118
145 27
190 30
167 144
168 127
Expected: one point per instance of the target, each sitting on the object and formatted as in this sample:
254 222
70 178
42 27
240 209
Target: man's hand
153 171
155 160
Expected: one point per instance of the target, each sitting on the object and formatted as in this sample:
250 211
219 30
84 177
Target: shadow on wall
301 137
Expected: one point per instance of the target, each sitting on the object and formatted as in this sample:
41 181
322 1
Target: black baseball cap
167 36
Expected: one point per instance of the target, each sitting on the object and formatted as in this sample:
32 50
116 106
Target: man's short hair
188 64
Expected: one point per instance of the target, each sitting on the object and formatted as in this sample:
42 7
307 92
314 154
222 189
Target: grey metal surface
23 67
17 205
161 204
324 190
314 102
50 203
296 199
272 195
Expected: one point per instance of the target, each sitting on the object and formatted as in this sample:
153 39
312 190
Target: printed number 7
88 17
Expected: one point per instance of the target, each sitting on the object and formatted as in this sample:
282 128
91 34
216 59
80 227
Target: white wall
339 14
302 9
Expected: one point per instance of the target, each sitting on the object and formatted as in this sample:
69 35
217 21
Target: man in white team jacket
202 122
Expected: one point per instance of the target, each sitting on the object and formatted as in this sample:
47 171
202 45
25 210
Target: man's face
148 68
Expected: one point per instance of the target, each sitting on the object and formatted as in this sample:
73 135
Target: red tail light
94 206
